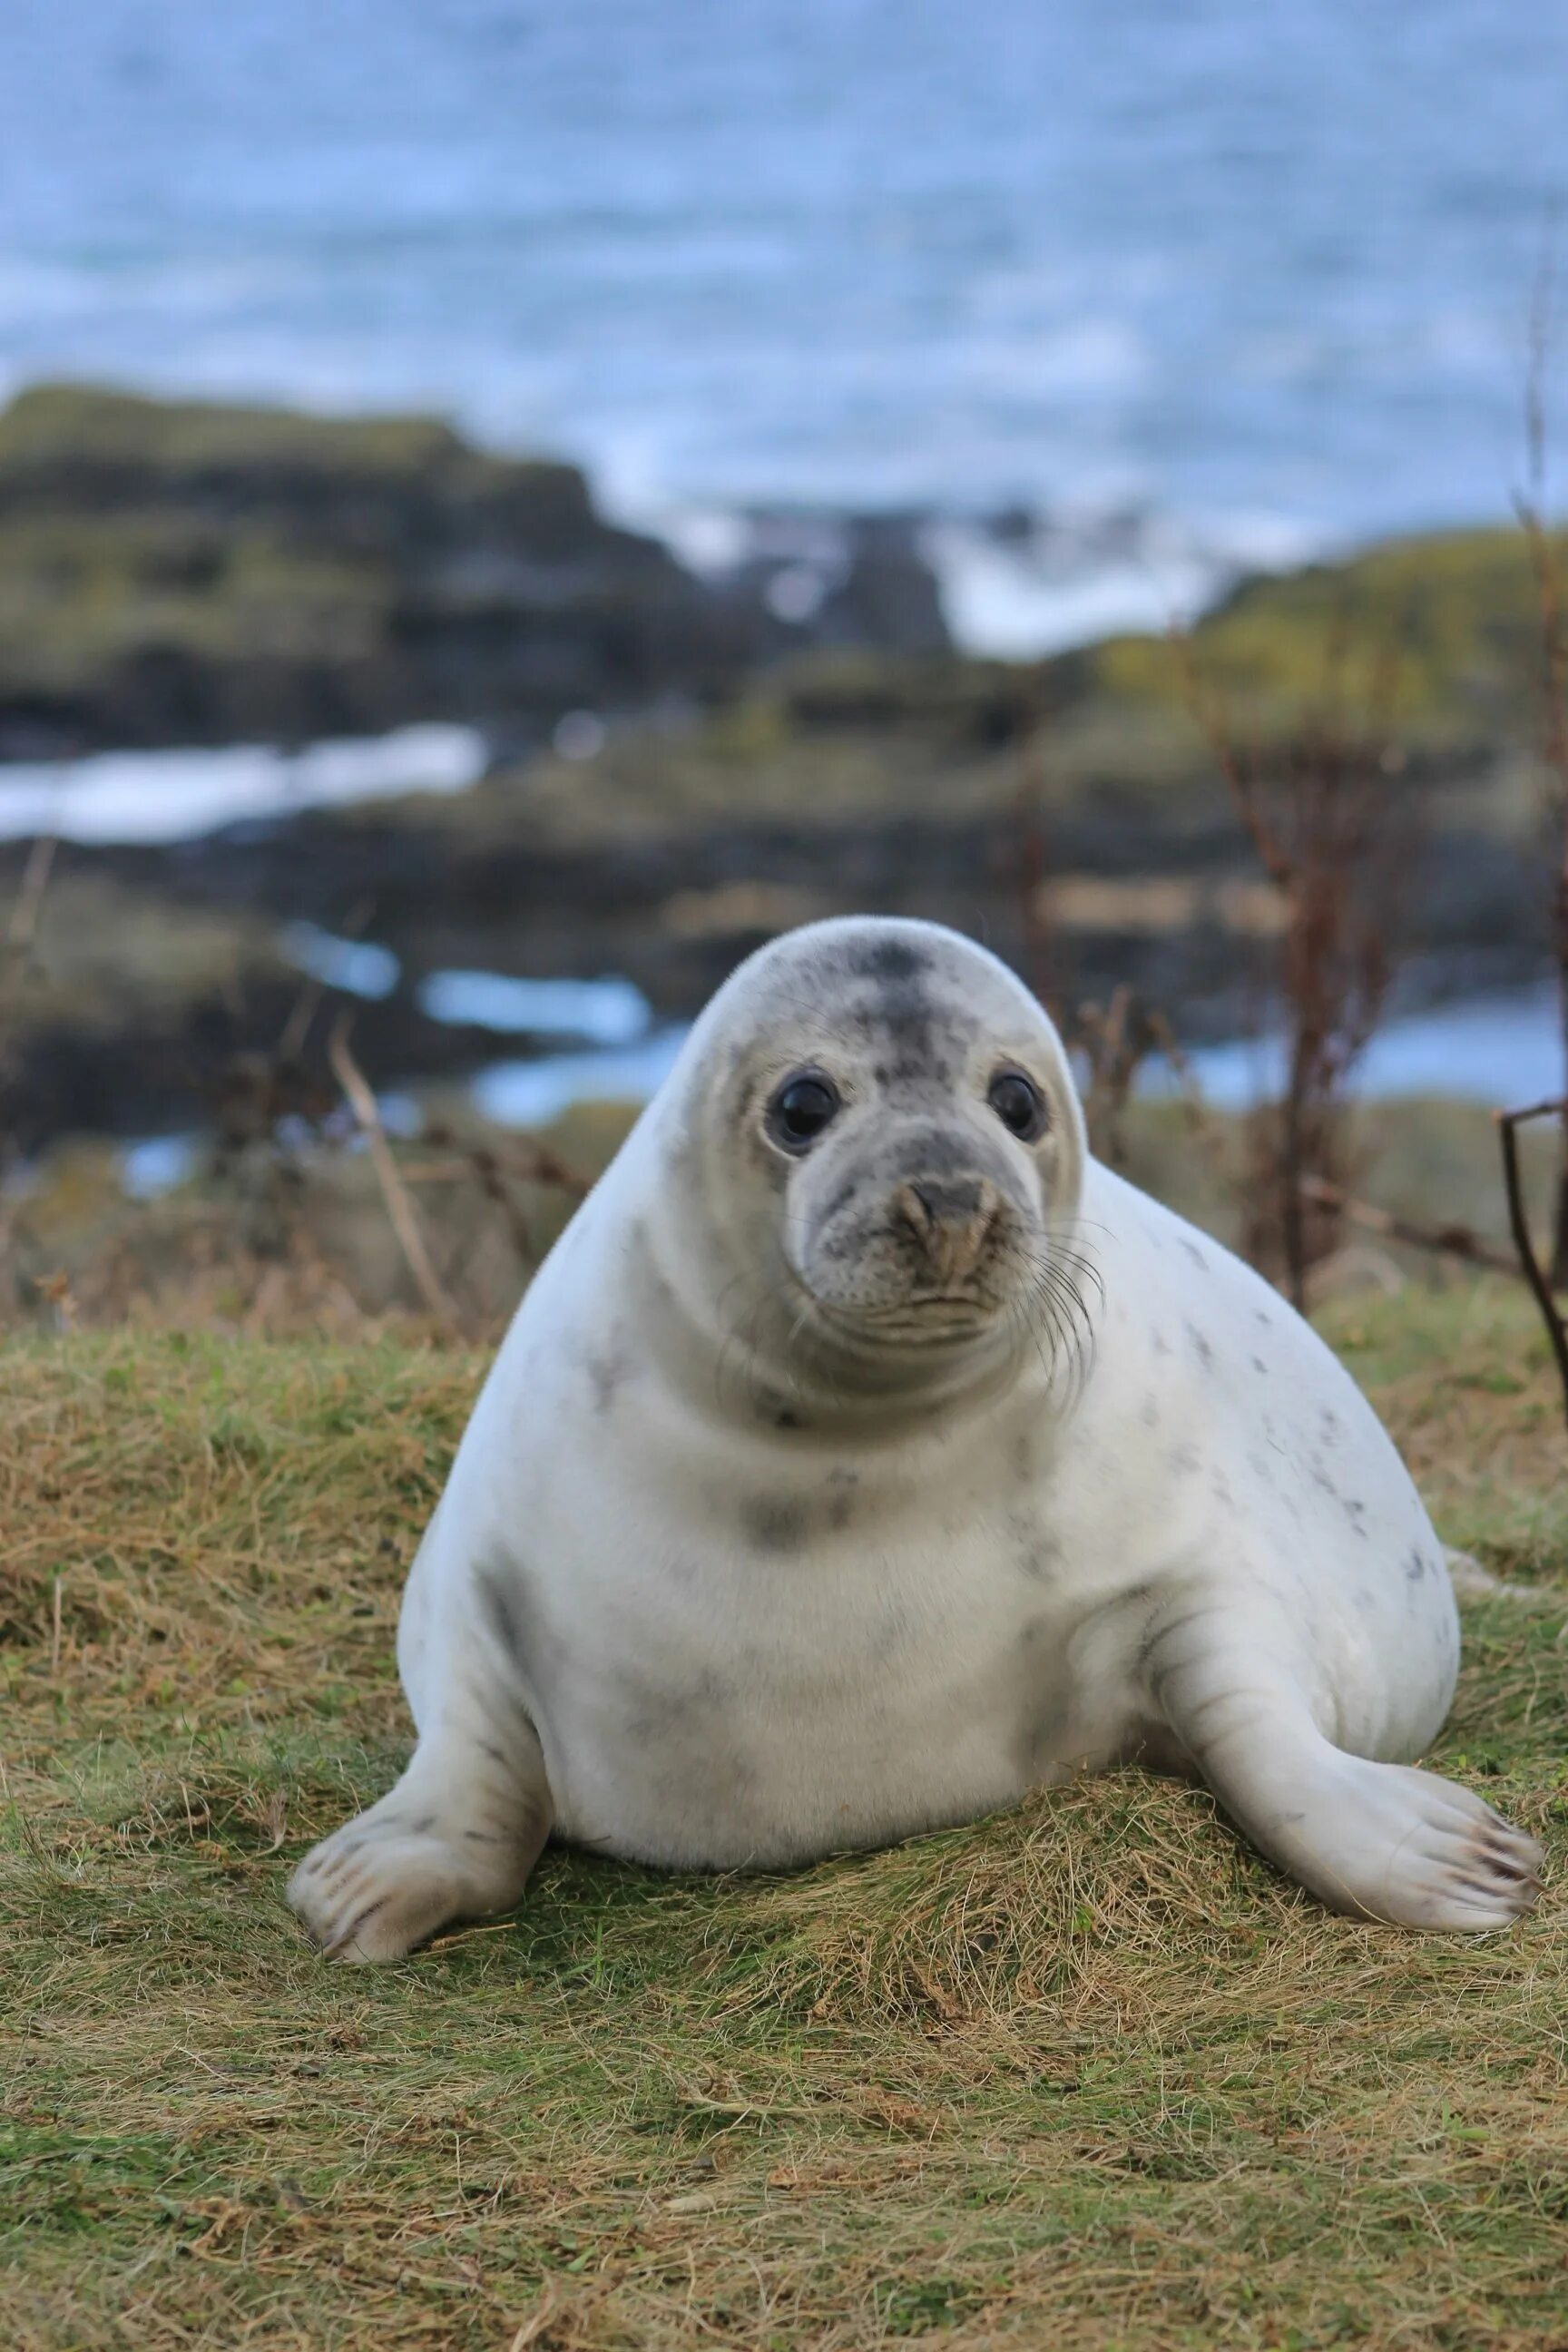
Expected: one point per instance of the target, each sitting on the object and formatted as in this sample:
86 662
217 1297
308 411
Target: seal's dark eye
1017 1102
802 1107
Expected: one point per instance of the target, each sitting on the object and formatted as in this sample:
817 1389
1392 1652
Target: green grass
1089 2075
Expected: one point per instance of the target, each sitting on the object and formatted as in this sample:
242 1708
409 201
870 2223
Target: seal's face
907 1122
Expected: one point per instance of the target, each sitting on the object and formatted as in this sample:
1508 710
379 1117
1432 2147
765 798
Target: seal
864 1456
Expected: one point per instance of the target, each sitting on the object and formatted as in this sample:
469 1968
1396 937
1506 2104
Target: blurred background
504 507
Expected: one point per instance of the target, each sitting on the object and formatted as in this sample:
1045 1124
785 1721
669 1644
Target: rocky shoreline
177 573
183 575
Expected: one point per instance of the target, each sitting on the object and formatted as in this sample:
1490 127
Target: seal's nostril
951 1218
912 1206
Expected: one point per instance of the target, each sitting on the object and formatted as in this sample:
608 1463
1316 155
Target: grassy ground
1086 2076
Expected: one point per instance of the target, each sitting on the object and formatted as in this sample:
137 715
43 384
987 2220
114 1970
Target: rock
833 579
178 574
888 599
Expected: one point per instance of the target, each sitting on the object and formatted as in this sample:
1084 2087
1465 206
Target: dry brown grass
1087 2076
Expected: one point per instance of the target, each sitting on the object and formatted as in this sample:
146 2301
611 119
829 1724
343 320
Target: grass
1089 2075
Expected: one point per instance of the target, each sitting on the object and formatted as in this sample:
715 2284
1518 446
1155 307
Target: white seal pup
864 1456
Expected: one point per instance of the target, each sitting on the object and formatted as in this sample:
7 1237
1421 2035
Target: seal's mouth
934 1262
927 1321
927 1277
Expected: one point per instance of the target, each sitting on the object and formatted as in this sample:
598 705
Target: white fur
650 1616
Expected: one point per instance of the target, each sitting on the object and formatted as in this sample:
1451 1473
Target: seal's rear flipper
1378 1841
454 1839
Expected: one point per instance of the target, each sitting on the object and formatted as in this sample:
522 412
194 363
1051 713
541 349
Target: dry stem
400 1207
1508 1123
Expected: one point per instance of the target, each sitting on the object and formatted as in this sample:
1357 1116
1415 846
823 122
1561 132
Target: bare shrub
1544 549
1334 825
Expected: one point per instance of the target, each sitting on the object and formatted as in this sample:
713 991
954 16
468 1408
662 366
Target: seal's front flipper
1378 1841
454 1839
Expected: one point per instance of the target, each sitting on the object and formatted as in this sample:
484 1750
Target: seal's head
881 1128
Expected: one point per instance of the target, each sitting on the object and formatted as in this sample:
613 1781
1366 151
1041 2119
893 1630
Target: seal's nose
952 1218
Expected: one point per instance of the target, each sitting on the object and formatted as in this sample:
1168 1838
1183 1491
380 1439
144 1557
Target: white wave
161 796
1072 578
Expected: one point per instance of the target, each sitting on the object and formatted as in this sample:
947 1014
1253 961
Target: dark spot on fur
605 1374
886 959
1194 1252
1159 1342
1415 1565
1182 1459
1259 1365
1356 1512
774 1522
424 1826
933 1150
841 1485
506 1612
1199 1345
653 1711
933 1069
1261 1316
1329 1428
1219 1487
1039 1557
839 1200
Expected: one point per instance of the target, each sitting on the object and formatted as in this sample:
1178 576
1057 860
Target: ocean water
1123 298
1498 1050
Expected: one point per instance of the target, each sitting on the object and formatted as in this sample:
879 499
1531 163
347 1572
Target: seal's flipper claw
1378 1841
455 1840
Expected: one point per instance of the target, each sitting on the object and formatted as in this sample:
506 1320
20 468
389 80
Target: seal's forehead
913 984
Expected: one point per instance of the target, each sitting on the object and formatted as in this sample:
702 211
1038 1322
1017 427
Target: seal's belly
720 1791
766 1760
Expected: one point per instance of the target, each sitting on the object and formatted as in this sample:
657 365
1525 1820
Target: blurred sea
1124 297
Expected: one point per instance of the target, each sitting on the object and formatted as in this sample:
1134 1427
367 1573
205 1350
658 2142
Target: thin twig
1532 508
1240 775
400 1207
531 1161
55 1645
1444 1241
1508 1123
22 929
1116 1047
297 1028
1027 852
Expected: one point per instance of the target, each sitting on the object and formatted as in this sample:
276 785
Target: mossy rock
179 572
1439 637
